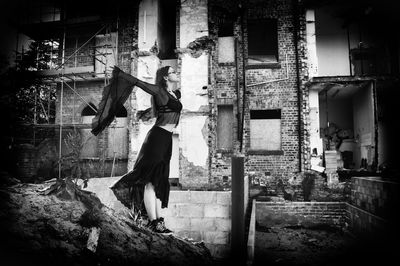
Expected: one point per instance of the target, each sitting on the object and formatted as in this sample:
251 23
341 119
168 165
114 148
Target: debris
317 168
93 239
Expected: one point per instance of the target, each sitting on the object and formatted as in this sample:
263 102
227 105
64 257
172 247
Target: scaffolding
69 76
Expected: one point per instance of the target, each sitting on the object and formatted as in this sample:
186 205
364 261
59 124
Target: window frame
274 114
267 22
230 149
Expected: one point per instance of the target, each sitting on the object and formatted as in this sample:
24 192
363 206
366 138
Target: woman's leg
158 208
149 199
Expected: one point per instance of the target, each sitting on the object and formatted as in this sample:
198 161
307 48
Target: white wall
315 140
311 44
332 45
364 132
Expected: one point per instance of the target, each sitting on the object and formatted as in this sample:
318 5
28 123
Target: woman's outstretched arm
147 87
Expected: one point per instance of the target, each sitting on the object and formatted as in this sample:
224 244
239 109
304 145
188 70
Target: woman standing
148 182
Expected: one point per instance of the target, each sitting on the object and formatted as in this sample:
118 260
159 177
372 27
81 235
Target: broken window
262 37
167 29
226 50
225 29
224 127
89 148
118 136
226 43
265 130
89 110
82 58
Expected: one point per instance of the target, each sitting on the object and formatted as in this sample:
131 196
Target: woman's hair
160 81
161 73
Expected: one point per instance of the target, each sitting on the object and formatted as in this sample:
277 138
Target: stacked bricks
300 213
201 216
373 205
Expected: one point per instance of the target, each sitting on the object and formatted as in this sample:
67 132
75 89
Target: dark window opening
167 29
225 29
262 41
265 114
88 111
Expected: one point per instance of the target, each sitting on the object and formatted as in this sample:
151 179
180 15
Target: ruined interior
347 129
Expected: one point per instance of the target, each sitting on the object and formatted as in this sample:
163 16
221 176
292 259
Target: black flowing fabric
152 166
114 96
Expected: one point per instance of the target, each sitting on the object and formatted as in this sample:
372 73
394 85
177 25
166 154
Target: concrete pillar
238 246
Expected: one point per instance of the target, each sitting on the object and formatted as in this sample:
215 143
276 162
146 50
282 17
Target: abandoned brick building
294 86
290 85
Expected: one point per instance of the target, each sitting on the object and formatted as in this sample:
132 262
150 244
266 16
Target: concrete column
238 246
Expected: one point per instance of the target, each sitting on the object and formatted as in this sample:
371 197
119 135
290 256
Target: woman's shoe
152 225
158 226
162 228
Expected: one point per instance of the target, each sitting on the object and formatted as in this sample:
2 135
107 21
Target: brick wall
373 205
26 161
271 95
300 213
376 196
362 222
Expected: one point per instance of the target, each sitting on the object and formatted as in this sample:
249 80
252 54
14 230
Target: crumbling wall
192 67
283 94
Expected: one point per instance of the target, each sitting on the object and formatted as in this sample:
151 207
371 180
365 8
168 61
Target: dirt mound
39 229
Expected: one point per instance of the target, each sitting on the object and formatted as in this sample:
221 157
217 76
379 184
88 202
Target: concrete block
202 224
171 211
222 211
177 224
179 196
190 210
216 237
224 197
223 224
203 197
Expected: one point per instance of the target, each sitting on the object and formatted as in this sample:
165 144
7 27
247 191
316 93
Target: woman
148 182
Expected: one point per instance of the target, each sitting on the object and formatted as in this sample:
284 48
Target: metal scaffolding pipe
61 107
63 60
78 95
